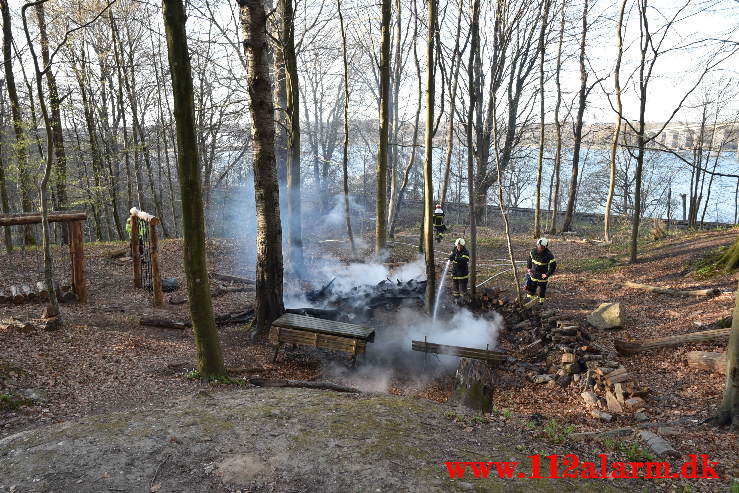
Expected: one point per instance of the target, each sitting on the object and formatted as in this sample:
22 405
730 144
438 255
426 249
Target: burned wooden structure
145 250
38 289
323 334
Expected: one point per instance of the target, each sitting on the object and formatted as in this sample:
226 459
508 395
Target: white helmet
459 241
543 242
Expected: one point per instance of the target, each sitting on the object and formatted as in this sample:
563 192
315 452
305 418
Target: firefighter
460 258
439 226
143 230
541 266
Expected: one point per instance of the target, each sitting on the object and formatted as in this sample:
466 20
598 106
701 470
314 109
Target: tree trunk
44 188
292 93
382 151
269 304
21 142
557 127
428 177
56 119
540 158
210 355
728 412
582 96
473 90
4 201
345 150
617 126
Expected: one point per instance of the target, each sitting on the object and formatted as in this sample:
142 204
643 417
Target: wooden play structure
145 253
37 290
324 334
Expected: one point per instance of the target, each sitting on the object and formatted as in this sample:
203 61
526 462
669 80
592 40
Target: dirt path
275 440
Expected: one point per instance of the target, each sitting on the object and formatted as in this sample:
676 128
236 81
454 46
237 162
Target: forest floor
104 361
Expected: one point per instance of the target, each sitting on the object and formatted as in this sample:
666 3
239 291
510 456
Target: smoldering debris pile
362 300
563 353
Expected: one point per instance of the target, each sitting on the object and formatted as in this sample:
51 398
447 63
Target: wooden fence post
77 254
156 276
135 253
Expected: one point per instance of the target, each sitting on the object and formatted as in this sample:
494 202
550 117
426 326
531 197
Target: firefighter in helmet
541 266
460 259
439 226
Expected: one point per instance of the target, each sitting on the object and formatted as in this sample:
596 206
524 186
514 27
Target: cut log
635 403
591 400
42 291
164 323
603 416
118 253
31 218
28 293
659 445
14 323
5 296
706 360
16 295
264 382
613 405
672 292
621 377
230 278
626 348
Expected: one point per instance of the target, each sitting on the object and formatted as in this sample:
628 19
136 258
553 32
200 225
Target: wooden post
135 253
77 254
156 276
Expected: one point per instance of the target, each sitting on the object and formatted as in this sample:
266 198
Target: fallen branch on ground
627 348
264 382
230 278
672 292
708 361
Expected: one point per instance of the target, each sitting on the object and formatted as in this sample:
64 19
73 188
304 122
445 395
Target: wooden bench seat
319 333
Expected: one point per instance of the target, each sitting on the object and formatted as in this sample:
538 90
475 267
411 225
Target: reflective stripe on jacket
541 263
460 263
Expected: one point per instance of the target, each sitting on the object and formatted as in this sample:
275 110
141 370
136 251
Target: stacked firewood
25 293
609 386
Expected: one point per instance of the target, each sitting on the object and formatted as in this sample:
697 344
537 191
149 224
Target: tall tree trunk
384 116
292 96
44 188
617 126
210 355
4 201
557 126
582 100
60 177
345 150
21 142
540 157
428 177
728 412
269 304
412 159
456 64
473 89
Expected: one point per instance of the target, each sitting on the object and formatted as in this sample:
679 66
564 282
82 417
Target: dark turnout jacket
460 263
541 263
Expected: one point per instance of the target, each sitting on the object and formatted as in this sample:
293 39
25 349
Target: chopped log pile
33 293
562 353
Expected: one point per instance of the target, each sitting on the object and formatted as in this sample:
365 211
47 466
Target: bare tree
269 304
210 355
384 117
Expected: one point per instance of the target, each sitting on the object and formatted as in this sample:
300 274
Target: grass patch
10 402
632 450
558 432
490 242
707 267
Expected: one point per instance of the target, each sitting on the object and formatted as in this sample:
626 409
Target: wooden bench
319 333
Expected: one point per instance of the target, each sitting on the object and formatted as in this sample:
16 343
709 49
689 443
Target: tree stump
474 385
